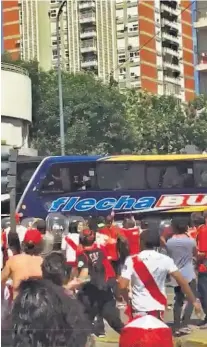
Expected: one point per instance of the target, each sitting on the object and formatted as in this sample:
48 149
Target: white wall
16 95
16 106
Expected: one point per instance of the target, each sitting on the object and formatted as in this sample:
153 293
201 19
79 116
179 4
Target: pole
12 210
60 90
12 180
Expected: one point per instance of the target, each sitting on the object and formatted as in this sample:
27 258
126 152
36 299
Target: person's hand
74 284
111 241
198 308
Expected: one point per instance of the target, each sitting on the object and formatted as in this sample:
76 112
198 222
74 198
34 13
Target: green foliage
99 119
161 124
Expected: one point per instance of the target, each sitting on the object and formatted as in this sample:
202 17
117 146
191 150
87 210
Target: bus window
170 175
116 176
69 177
82 176
200 173
24 173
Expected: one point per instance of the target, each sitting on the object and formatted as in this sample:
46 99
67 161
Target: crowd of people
58 288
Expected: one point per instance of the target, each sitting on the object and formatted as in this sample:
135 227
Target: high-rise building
155 46
35 31
201 35
87 36
11 28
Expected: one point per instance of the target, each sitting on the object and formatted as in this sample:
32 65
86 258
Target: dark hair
31 248
73 227
128 223
87 238
92 224
196 219
205 214
101 220
44 315
109 220
55 269
180 224
13 242
149 239
40 225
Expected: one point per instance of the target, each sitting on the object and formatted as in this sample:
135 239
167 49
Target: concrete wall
16 105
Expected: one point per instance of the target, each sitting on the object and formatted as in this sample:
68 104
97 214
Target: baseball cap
33 236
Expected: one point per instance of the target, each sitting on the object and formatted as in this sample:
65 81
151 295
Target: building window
134 54
55 54
134 27
53 13
52 1
122 58
67 53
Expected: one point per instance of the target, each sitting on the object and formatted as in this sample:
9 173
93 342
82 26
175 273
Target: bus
25 168
97 185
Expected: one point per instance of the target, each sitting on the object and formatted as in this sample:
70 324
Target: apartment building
11 28
200 25
87 36
155 46
35 31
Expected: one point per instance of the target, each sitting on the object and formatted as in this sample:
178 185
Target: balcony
87 18
88 33
202 62
201 21
169 23
169 9
89 63
170 37
170 51
88 46
172 80
171 66
87 5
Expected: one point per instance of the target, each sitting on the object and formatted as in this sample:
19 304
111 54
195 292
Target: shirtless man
25 265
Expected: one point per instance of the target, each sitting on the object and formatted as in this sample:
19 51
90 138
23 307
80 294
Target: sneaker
100 335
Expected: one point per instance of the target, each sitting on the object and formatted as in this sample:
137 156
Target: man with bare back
25 265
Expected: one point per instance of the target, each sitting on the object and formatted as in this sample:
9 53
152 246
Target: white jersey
101 239
159 265
70 251
21 231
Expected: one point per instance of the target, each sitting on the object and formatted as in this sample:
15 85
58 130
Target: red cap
33 236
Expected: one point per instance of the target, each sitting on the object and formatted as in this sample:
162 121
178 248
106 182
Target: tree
99 119
93 112
161 124
94 115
